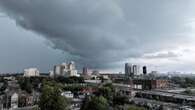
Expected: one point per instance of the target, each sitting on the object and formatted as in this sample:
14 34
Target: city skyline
103 35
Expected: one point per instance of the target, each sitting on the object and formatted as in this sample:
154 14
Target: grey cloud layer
102 32
162 55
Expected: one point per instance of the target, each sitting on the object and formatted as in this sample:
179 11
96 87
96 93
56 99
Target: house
68 94
10 100
14 100
25 100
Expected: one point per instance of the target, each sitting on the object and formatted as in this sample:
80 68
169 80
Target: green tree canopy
106 91
96 103
25 84
132 107
51 98
120 100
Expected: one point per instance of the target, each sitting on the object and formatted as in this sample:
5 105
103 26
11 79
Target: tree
4 86
95 103
120 100
184 81
132 107
51 98
107 91
25 84
69 80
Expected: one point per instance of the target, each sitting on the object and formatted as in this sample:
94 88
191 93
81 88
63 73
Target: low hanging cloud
162 55
102 32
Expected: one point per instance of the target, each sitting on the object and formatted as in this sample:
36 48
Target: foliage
51 98
132 107
69 80
2 79
26 85
33 82
120 100
102 100
4 86
109 85
95 103
73 87
189 92
107 91
184 81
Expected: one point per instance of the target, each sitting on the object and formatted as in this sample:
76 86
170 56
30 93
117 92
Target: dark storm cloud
102 32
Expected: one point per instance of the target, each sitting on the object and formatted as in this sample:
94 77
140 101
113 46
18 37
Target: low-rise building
25 100
10 100
14 100
68 94
148 84
124 90
31 72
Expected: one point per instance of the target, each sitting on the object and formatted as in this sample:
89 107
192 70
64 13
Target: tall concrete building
59 70
136 70
132 70
129 70
65 70
71 65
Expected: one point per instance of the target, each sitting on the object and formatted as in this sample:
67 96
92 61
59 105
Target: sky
99 34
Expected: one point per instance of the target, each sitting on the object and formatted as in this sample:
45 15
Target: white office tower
31 72
136 70
58 70
71 70
65 70
71 65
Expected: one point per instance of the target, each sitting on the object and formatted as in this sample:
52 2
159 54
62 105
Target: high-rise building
85 71
136 69
132 70
65 70
129 70
144 70
71 65
59 69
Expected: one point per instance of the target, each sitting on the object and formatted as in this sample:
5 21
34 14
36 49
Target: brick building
148 84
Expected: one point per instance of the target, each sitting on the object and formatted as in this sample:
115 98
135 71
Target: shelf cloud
102 32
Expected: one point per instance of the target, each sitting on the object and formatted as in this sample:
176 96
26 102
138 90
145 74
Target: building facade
149 84
132 70
65 70
144 70
85 71
31 72
128 70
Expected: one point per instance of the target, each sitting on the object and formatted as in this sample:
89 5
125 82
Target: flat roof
180 96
